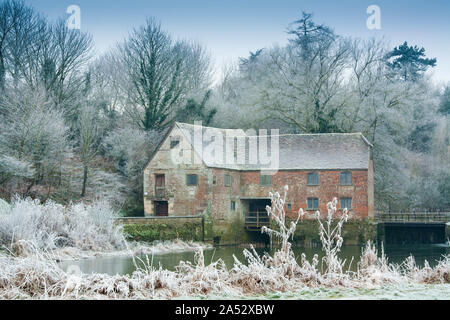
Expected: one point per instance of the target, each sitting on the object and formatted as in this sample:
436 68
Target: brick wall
223 195
328 188
193 200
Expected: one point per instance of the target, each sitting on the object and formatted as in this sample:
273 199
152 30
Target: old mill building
220 173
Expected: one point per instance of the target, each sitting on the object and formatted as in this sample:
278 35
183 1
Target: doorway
161 208
256 216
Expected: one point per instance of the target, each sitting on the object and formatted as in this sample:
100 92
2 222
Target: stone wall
164 228
175 164
232 232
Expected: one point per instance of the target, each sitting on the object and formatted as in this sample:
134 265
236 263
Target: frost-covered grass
50 225
39 277
278 276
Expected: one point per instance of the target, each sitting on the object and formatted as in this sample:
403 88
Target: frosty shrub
50 225
276 212
374 268
11 167
331 238
38 276
5 207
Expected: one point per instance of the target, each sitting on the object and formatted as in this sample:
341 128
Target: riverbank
32 272
24 249
277 277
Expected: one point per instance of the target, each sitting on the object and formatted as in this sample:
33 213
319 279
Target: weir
413 227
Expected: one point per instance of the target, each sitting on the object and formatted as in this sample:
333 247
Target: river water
124 264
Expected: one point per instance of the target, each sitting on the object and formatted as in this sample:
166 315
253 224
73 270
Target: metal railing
417 217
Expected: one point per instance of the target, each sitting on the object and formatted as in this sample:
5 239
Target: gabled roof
331 151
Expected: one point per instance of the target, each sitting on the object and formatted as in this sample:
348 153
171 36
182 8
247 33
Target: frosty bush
5 207
284 257
278 214
331 238
11 167
50 225
38 276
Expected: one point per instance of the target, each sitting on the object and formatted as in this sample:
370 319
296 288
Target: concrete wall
354 232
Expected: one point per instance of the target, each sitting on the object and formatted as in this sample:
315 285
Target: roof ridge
274 135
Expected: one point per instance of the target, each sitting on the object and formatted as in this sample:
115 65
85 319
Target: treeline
322 82
78 126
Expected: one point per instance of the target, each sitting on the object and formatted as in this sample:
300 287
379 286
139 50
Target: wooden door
160 185
161 208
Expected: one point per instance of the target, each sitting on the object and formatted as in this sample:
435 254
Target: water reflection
125 265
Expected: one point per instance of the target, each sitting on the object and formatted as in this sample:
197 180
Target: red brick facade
192 200
299 191
213 196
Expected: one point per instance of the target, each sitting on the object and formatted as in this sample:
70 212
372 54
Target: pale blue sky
232 28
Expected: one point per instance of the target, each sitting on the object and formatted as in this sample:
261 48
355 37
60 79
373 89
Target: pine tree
409 62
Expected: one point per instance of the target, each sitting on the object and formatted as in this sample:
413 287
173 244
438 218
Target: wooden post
257 219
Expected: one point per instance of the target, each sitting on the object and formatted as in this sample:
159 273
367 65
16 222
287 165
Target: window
289 207
265 180
346 178
346 203
313 179
160 185
313 203
214 180
191 180
174 141
233 205
227 180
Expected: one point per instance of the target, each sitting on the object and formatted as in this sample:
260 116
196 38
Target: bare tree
33 131
162 73
19 25
303 91
89 140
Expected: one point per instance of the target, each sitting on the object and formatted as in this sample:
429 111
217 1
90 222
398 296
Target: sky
230 29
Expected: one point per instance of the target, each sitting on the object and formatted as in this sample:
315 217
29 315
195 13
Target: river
113 265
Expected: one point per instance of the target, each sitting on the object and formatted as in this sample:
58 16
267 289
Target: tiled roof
331 151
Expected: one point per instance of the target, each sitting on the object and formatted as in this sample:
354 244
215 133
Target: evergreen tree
409 62
312 38
195 111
